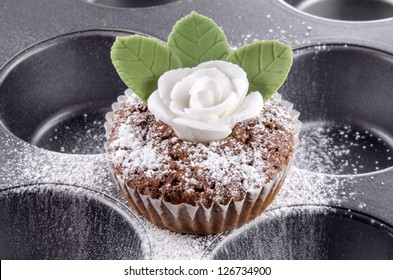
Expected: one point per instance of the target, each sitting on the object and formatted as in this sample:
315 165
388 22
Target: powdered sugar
25 164
303 187
342 149
219 166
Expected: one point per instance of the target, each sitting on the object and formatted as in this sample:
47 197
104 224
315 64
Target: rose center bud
205 93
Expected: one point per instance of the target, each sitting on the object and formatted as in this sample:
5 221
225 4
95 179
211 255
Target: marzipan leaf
267 64
140 61
196 39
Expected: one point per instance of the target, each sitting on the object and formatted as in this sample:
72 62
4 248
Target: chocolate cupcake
200 143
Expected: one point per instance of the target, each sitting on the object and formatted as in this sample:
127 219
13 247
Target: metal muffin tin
57 198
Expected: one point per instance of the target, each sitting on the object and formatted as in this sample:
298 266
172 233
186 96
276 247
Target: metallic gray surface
63 95
353 10
305 234
82 225
341 86
39 92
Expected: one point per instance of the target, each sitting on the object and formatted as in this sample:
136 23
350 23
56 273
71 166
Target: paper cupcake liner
185 218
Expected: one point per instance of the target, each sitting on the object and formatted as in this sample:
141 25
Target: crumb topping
147 155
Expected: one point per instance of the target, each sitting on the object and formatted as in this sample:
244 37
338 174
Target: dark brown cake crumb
147 155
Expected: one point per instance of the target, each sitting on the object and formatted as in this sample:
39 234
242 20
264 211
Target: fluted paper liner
185 218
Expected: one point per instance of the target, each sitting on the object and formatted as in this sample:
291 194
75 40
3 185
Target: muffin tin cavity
63 222
348 10
130 3
344 96
55 95
310 233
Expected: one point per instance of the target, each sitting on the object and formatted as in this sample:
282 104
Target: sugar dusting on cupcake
185 171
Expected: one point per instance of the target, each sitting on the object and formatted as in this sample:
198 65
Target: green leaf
196 38
267 64
140 61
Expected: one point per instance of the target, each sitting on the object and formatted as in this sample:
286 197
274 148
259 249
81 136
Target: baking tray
57 198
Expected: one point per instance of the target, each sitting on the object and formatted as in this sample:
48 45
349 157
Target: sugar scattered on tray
285 233
341 149
26 164
30 165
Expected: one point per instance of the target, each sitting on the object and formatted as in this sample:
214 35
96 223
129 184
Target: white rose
204 103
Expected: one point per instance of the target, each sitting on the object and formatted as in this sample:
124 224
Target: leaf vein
139 47
185 37
204 33
210 49
153 60
182 51
267 66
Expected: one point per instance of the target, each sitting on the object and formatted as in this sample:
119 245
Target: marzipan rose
204 103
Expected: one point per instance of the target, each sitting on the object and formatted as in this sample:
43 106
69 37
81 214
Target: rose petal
180 92
202 132
241 88
236 75
250 108
230 70
200 117
204 93
201 99
218 110
224 82
169 79
177 109
182 132
160 110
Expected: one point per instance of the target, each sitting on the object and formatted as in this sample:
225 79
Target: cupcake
201 142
